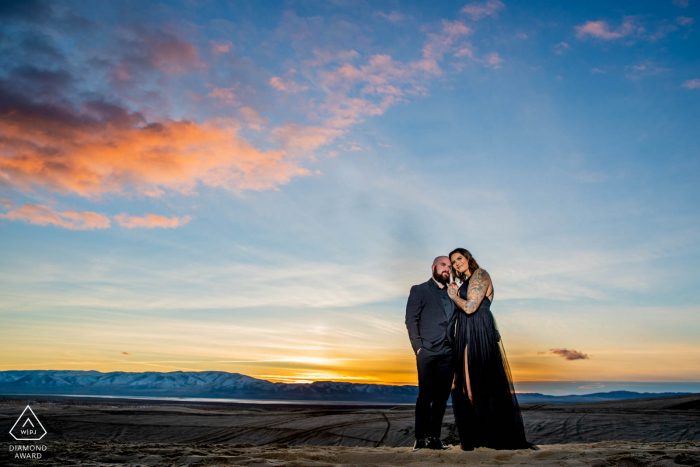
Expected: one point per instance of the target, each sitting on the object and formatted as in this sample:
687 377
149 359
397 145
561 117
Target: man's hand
452 290
418 351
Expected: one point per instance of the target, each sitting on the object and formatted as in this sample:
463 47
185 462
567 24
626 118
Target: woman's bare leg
466 376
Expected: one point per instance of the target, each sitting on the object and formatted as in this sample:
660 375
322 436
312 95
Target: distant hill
220 384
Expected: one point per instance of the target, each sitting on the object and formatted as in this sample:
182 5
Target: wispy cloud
479 10
493 59
601 30
44 215
394 16
561 48
219 48
225 95
288 86
644 69
151 221
692 83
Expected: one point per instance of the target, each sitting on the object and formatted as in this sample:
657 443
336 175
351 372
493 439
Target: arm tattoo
478 285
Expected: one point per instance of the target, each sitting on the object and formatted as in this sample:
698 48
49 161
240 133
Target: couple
455 337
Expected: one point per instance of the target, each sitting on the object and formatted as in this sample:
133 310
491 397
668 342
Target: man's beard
440 279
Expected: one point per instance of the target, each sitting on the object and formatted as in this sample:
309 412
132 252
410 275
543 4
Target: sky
254 187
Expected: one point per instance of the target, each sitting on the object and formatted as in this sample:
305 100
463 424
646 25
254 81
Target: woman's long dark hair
471 263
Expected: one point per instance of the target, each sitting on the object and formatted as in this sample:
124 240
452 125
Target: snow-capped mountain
220 384
192 384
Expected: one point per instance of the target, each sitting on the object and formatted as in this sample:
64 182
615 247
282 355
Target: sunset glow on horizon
253 187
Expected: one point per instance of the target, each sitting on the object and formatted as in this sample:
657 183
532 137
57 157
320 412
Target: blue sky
254 187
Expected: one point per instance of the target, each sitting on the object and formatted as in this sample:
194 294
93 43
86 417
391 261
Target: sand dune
636 432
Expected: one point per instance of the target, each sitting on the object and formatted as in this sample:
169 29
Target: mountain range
220 384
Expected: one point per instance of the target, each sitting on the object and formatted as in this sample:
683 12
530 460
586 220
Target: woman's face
459 263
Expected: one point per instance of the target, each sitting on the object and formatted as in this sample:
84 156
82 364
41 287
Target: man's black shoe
435 443
466 447
419 444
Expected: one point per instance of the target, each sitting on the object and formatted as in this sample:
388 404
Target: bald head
442 269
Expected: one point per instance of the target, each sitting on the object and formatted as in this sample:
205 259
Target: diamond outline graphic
20 418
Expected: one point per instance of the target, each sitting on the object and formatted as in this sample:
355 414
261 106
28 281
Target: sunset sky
253 187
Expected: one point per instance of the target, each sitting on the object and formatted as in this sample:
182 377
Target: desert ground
82 431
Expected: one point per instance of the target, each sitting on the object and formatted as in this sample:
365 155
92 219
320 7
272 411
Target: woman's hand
452 290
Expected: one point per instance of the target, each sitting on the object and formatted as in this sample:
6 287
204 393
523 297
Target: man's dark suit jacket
426 321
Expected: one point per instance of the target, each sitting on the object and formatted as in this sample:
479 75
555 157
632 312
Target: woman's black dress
494 420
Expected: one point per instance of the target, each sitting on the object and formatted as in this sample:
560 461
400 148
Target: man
428 313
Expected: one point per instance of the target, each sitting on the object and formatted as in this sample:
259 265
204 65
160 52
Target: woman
483 399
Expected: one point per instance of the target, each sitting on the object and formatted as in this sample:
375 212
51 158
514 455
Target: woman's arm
478 285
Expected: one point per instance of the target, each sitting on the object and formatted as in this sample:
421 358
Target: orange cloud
43 215
150 221
106 150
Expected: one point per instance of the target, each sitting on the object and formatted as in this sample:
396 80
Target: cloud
692 84
155 50
661 31
596 71
353 89
681 3
438 44
126 353
43 215
225 95
6 203
570 354
685 21
394 16
324 57
151 221
105 149
601 30
221 48
253 118
560 48
480 10
288 86
494 60
305 138
644 69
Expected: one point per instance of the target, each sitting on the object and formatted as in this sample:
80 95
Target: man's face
441 269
